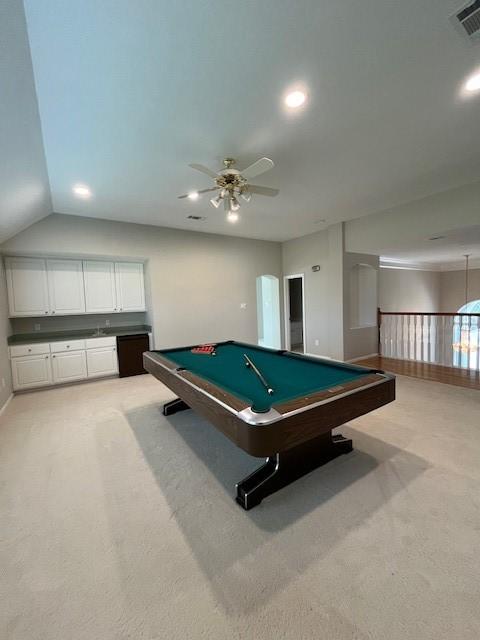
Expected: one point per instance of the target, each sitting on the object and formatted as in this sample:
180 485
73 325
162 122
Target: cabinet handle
46 357
53 311
46 312
29 350
68 346
53 356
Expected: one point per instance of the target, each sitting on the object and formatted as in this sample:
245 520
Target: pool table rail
285 425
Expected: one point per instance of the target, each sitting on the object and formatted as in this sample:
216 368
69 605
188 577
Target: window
466 337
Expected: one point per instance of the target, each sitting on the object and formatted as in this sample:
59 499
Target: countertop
78 334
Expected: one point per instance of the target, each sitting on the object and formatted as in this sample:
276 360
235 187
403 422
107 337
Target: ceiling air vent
467 20
196 218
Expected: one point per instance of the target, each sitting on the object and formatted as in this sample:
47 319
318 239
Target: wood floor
434 372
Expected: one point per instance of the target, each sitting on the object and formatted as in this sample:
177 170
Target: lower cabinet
102 362
29 372
41 365
69 366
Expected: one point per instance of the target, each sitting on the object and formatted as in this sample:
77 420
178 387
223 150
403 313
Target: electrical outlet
243 305
36 327
317 343
107 323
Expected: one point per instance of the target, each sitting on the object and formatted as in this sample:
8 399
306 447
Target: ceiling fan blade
203 169
258 167
207 190
199 191
262 191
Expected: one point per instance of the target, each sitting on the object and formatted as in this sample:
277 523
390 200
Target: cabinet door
65 286
99 279
31 371
130 286
102 362
27 286
68 366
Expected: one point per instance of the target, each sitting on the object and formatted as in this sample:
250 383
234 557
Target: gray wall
409 290
5 374
452 289
24 188
323 289
196 281
357 341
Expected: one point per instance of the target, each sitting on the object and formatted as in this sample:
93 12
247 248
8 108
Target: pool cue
255 369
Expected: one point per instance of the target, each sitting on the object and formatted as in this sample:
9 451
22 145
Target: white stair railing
449 339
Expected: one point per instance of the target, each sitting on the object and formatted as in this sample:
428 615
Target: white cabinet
130 286
27 286
65 287
100 295
69 366
102 362
54 286
29 372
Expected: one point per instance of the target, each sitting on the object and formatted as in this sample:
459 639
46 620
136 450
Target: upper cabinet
65 287
100 294
27 286
38 286
130 286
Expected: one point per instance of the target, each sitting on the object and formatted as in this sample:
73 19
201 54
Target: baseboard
369 355
6 404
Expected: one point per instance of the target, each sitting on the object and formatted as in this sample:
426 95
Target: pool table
291 427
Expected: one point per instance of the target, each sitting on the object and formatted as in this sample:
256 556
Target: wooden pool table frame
295 436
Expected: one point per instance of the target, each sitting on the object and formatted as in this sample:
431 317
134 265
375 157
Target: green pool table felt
289 375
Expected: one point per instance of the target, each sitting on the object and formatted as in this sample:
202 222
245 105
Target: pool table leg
285 467
169 408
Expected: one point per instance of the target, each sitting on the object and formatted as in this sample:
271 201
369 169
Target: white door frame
286 310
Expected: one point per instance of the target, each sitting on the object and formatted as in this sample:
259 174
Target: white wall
24 188
452 289
409 290
6 387
197 281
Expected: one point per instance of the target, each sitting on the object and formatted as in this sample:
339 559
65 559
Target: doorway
268 312
295 313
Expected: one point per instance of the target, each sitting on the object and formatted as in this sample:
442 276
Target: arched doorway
268 311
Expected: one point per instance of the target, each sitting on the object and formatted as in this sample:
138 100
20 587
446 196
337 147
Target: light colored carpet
117 523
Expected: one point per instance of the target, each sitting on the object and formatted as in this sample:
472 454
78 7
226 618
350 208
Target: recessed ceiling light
232 216
473 83
295 99
82 191
193 195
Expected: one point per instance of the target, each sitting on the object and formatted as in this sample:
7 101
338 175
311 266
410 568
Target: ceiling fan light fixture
232 216
216 201
234 204
246 195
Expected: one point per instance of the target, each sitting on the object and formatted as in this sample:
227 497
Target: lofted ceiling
130 93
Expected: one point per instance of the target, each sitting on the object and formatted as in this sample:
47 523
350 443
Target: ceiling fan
232 184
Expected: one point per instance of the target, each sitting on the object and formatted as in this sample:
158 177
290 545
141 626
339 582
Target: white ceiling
445 253
131 92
